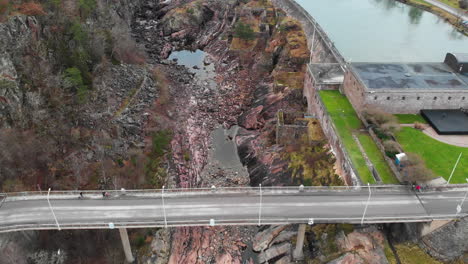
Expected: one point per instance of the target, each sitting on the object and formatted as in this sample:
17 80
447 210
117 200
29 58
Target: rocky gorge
128 112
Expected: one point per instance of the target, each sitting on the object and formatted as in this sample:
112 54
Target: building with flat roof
406 87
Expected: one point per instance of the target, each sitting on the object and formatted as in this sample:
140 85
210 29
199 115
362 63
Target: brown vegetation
385 123
31 9
415 170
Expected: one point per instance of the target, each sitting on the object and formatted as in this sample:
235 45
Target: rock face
15 35
274 252
448 242
263 239
160 248
367 244
192 15
348 258
209 245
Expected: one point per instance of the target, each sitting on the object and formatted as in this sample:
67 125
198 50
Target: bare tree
415 170
24 157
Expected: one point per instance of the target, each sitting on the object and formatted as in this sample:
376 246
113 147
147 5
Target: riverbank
449 18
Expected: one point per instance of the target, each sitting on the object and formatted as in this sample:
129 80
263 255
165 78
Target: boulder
192 15
274 252
263 239
348 258
253 119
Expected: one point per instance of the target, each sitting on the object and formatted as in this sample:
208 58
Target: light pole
260 209
367 204
454 167
460 206
52 210
164 207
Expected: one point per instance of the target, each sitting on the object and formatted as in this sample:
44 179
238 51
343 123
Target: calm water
198 63
385 31
225 149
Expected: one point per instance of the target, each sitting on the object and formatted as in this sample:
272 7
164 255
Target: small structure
447 122
292 127
400 157
457 61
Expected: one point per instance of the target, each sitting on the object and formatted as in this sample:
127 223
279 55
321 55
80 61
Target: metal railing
174 192
231 222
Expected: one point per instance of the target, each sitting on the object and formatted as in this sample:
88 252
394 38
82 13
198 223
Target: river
385 31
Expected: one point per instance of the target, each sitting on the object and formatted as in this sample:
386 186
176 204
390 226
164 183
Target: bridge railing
215 222
178 192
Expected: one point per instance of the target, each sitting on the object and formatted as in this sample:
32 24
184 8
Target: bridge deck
145 209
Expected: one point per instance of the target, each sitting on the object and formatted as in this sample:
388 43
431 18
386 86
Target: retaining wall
322 51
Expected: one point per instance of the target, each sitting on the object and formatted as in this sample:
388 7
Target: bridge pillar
298 253
126 245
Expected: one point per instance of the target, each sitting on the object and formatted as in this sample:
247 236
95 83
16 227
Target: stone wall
322 51
316 107
410 101
404 101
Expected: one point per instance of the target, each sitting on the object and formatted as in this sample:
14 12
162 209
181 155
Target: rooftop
437 76
327 73
447 122
461 57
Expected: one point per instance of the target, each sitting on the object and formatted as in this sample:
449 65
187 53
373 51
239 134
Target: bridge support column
298 253
126 245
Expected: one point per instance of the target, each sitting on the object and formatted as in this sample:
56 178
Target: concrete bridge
123 209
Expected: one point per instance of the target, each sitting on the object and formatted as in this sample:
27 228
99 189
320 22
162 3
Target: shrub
4 8
31 9
387 124
378 117
74 79
419 126
415 170
86 7
391 148
161 140
390 128
139 241
78 33
244 31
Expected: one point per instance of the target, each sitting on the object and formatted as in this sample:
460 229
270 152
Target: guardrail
3 197
151 193
234 222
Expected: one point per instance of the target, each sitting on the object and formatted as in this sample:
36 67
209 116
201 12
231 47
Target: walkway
454 11
229 206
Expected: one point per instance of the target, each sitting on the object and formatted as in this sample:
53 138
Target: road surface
449 9
133 210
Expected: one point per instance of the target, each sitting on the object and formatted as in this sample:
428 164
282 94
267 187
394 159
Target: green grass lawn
346 122
377 159
439 157
410 119
452 3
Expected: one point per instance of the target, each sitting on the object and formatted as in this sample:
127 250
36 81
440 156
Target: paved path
451 10
226 207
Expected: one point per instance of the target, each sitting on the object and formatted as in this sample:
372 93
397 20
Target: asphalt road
233 208
451 10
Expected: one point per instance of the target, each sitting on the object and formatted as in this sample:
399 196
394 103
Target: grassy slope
452 3
377 159
439 157
410 119
346 121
